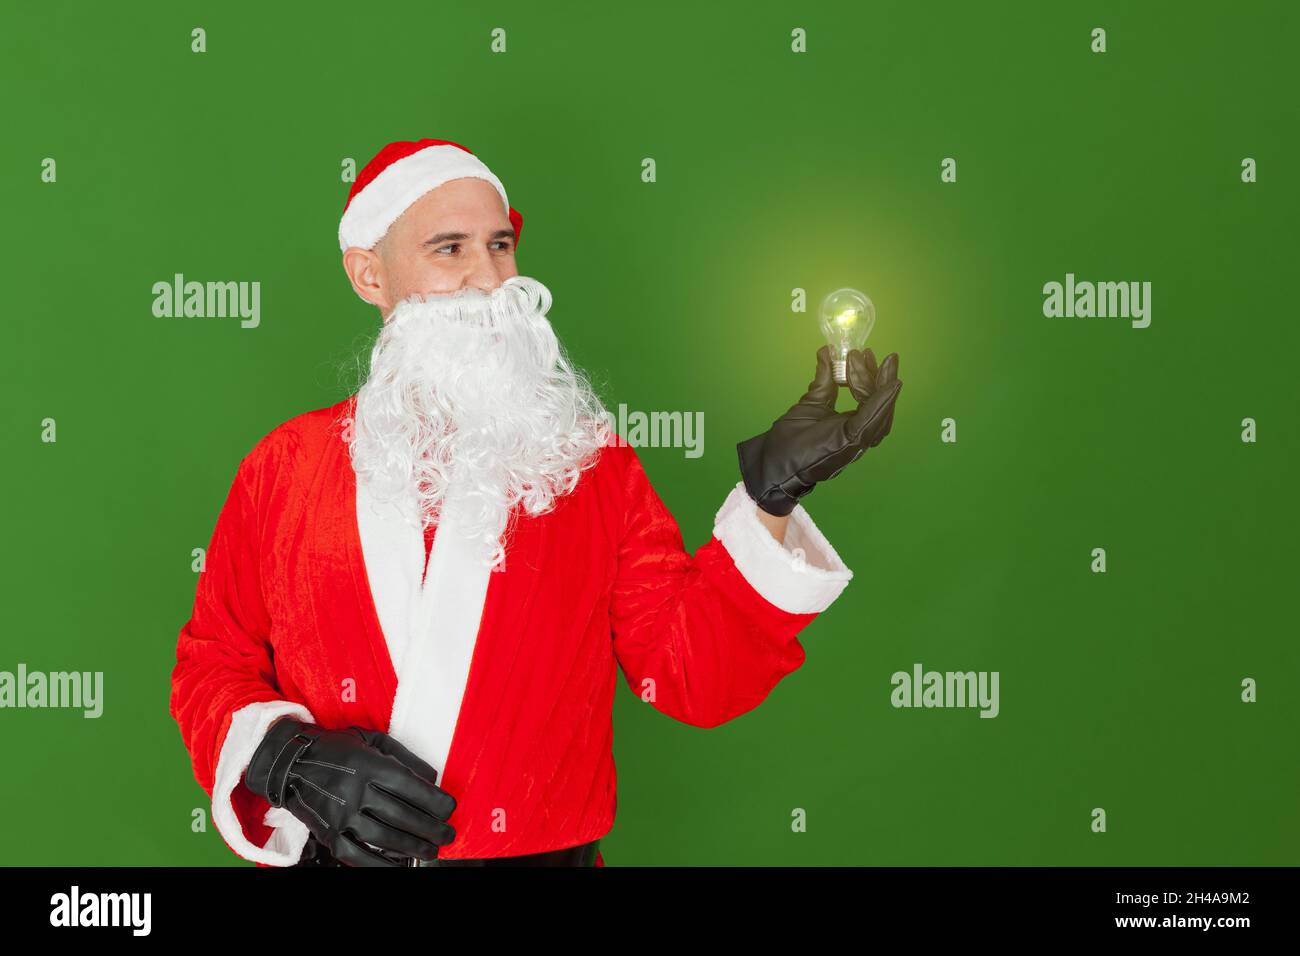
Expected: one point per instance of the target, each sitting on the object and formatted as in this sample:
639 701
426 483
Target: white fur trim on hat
389 194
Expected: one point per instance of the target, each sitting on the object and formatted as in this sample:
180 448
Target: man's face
454 237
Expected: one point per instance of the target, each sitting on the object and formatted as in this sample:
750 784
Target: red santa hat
400 174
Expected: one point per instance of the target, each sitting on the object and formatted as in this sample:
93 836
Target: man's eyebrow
462 236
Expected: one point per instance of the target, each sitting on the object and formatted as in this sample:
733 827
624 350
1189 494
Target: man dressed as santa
406 640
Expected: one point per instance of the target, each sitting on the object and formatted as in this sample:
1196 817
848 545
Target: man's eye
505 245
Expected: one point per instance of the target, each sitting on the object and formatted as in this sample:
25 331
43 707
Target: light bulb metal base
840 371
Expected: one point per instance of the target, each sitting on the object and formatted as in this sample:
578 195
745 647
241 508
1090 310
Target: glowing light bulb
847 318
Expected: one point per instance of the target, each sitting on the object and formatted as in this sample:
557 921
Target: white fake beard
475 386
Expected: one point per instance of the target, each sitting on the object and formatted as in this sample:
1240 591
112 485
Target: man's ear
366 273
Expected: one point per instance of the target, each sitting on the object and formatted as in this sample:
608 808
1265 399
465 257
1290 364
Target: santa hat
400 174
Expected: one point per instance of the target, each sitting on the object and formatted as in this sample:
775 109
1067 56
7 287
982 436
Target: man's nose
482 275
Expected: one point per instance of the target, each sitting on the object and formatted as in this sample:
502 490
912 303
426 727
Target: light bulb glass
847 318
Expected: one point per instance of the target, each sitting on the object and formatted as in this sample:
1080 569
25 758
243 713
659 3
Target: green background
775 171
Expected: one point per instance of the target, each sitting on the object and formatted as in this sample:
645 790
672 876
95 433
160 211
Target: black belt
315 854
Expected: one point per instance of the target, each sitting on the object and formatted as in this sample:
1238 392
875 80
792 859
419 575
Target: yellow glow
847 318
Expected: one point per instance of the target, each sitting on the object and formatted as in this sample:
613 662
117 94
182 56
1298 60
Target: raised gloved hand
812 442
359 791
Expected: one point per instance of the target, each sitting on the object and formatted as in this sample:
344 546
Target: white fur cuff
803 576
247 728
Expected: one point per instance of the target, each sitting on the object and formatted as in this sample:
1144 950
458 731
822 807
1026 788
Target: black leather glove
361 793
812 442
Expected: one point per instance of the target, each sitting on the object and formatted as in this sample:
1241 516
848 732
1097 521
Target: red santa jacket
315 601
